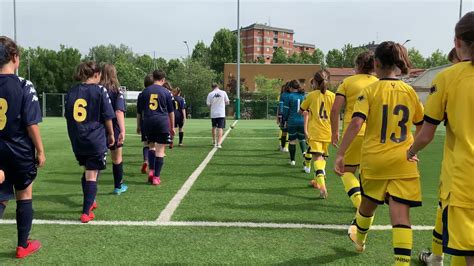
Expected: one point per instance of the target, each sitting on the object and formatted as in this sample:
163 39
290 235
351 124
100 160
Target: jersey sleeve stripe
431 120
340 94
419 123
358 114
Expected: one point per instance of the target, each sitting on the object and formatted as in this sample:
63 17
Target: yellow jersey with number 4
350 89
390 107
319 107
452 99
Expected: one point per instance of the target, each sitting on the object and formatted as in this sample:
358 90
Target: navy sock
283 141
24 219
83 182
2 210
181 136
89 196
117 170
158 165
292 148
145 153
151 159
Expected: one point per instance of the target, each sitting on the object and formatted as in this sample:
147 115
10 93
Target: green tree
110 54
201 53
305 58
279 56
267 88
437 58
335 58
350 53
318 57
417 60
223 49
294 59
130 75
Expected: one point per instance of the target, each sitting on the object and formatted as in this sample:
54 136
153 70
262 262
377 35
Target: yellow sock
437 241
363 224
402 244
320 174
307 159
280 134
287 142
458 261
352 188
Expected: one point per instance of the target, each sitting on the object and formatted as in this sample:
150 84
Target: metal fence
53 105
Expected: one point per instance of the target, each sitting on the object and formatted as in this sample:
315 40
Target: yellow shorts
354 152
318 147
458 230
406 190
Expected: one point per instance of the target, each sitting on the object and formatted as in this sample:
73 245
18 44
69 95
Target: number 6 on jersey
80 112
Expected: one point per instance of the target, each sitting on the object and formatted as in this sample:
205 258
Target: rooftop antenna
269 21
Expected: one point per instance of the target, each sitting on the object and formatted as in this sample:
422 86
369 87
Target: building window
287 51
268 49
275 33
258 49
259 39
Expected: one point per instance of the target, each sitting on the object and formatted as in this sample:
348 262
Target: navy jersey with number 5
87 108
154 104
19 108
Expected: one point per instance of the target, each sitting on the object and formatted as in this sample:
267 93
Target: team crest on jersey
361 98
433 90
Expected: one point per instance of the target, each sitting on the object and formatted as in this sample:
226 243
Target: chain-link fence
52 105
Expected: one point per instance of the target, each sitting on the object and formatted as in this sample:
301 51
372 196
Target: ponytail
322 80
393 55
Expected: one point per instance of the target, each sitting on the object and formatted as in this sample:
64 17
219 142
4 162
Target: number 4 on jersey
323 114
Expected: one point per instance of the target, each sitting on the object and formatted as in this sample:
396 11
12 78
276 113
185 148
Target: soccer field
248 206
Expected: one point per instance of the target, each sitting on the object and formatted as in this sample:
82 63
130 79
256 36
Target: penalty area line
165 215
213 224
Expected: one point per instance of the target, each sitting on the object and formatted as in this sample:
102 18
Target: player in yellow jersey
452 100
318 104
347 94
390 107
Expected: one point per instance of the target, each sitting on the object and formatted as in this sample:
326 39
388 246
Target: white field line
198 137
214 224
165 215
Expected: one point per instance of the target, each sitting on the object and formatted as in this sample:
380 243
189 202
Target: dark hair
148 81
393 55
464 31
86 70
167 85
453 56
214 85
8 50
109 78
365 62
284 87
294 84
322 78
159 75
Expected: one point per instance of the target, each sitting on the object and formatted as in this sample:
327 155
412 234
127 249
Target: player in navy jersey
21 147
148 148
89 115
156 109
168 86
179 113
110 81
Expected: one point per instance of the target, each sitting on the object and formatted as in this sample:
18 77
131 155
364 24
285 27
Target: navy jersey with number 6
154 104
19 108
87 108
179 105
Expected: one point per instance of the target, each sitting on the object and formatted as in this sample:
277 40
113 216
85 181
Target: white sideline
165 215
214 224
197 137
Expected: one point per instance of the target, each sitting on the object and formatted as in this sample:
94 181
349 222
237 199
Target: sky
161 26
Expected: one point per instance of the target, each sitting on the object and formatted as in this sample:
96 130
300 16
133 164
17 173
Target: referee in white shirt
217 99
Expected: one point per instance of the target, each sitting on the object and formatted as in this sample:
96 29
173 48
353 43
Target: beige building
301 72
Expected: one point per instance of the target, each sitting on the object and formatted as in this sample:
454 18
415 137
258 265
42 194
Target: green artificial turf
248 180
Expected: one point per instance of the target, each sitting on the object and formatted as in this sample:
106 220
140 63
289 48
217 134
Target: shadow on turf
338 254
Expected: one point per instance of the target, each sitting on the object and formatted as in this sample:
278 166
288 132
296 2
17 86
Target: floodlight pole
14 25
460 9
237 98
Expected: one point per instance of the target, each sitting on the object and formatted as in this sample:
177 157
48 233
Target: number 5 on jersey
3 113
154 102
79 111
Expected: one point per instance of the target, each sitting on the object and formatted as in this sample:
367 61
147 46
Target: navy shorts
296 133
93 162
160 138
116 145
179 123
218 122
144 138
20 170
6 191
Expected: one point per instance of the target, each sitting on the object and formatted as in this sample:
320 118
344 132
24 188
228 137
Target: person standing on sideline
217 99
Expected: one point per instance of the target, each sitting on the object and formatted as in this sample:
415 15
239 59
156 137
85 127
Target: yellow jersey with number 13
390 107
